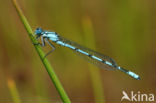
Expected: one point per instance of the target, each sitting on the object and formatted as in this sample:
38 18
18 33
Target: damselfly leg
43 44
52 46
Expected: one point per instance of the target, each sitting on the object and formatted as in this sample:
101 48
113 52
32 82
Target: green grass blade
94 72
13 91
45 62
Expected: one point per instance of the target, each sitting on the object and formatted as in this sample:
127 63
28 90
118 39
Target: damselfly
93 57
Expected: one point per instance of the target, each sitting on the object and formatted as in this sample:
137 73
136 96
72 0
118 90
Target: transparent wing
92 52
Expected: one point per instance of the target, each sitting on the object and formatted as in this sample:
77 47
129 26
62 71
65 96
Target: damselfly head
38 31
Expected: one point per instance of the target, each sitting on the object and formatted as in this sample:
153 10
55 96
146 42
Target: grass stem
94 72
13 91
45 62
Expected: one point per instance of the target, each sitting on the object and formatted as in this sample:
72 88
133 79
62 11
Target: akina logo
137 97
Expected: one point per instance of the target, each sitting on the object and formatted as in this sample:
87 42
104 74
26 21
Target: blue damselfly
93 57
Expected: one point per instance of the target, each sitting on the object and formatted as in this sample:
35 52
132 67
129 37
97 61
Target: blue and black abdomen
91 56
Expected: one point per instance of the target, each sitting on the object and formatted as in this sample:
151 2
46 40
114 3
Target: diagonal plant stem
45 62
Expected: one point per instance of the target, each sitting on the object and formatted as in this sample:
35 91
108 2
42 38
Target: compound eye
38 31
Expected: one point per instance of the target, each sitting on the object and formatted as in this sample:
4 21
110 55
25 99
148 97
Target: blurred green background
123 30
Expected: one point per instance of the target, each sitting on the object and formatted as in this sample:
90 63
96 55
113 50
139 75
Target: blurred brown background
123 30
